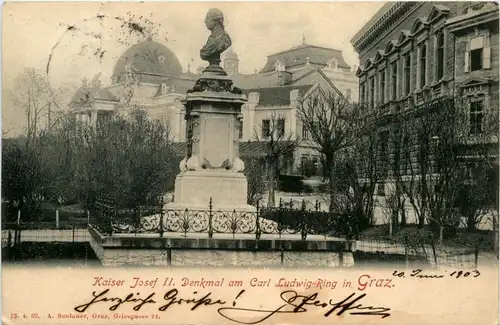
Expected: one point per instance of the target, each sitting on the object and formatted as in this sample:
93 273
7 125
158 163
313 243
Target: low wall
140 250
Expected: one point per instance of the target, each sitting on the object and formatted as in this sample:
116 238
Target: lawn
484 240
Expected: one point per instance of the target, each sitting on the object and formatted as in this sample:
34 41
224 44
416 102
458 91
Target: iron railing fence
286 219
15 233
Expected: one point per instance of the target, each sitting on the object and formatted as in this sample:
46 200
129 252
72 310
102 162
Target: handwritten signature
292 303
295 303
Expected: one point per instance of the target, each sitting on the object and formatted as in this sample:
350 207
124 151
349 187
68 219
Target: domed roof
147 57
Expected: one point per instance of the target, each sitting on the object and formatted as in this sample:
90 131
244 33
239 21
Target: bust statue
218 41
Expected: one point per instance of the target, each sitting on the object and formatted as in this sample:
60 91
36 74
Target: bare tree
357 171
254 171
279 147
331 124
434 168
33 94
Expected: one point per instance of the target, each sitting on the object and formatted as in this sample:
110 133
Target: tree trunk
421 221
471 222
271 196
331 182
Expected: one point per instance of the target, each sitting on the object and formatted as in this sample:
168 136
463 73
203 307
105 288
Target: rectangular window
382 86
440 56
280 128
478 53
372 91
394 80
266 128
304 165
476 59
362 90
423 65
476 117
305 132
407 72
315 166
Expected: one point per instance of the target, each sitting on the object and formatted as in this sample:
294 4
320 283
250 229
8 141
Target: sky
70 41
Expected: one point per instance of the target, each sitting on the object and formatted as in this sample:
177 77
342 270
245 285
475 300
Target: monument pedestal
194 189
212 168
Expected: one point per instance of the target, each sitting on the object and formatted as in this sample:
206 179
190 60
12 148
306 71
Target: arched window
423 65
440 55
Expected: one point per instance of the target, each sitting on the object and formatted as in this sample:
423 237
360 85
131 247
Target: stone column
93 117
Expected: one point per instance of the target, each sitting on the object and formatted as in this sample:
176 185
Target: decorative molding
364 40
215 85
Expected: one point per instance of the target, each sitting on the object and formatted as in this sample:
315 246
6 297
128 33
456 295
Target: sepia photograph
272 139
290 137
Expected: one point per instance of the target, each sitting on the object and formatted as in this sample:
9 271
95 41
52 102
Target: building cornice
458 23
375 30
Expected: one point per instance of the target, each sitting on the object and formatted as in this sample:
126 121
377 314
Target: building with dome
150 75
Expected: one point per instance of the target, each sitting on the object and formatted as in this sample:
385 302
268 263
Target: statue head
214 17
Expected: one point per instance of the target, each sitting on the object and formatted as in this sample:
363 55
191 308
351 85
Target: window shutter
466 59
487 53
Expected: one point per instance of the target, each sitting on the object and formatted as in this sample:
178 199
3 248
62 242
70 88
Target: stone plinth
212 167
195 250
193 189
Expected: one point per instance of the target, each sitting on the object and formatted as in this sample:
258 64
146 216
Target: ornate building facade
150 75
410 51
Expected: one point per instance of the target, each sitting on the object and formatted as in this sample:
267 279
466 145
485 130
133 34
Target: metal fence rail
110 219
14 233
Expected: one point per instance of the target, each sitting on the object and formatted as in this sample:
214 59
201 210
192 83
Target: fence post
169 255
88 216
304 219
73 233
280 218
341 255
18 217
162 217
282 256
57 218
162 211
257 224
210 229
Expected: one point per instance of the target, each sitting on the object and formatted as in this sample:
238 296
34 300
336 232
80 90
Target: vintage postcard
250 163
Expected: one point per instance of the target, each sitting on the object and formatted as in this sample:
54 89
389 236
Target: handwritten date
420 274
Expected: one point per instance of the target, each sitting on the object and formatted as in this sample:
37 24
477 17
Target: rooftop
305 54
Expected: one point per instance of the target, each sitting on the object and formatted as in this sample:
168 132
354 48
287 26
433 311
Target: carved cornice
460 23
377 30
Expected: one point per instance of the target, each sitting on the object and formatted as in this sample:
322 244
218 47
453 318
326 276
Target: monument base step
194 189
